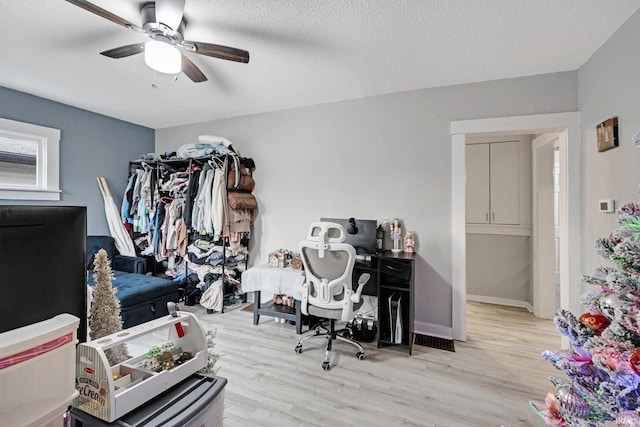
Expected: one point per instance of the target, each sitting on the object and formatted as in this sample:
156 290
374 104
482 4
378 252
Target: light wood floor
488 381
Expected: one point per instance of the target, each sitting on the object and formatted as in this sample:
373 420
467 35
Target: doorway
567 127
546 198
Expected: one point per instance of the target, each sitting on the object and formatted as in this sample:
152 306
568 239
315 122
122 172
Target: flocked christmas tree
602 364
105 307
212 356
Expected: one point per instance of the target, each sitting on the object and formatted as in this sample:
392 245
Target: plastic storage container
195 402
37 372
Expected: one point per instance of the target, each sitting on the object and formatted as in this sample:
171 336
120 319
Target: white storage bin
37 372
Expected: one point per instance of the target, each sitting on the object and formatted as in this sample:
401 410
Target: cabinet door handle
393 268
486 216
493 216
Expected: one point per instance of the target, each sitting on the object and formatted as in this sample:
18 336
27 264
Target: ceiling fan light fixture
164 24
162 57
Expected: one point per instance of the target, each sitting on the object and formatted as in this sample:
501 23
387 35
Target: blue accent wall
91 145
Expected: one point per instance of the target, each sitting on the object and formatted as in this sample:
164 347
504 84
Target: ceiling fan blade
217 51
105 14
192 71
124 51
169 12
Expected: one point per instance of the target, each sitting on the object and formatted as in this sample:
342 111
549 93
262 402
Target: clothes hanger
216 162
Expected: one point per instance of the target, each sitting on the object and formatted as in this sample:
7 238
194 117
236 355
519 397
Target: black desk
392 276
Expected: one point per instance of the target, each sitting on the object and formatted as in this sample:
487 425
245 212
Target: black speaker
363 329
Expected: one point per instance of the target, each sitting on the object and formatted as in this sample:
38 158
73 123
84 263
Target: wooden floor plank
487 381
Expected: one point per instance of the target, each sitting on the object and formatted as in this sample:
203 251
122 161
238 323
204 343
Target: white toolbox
109 392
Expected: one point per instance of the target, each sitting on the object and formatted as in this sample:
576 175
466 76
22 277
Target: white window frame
48 163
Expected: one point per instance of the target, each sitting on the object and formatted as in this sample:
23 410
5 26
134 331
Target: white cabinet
478 184
493 187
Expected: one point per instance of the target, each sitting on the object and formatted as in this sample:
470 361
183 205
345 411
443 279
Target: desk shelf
395 280
281 311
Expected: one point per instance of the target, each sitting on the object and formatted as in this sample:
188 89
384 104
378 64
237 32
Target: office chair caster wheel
325 366
298 349
360 355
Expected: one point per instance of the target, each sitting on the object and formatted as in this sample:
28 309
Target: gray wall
374 158
498 267
91 145
610 86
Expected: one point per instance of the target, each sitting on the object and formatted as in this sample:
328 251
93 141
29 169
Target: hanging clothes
150 192
142 207
240 220
127 201
219 198
204 222
190 195
196 206
158 219
176 231
166 201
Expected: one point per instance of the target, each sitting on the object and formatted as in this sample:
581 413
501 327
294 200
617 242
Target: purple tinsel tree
602 364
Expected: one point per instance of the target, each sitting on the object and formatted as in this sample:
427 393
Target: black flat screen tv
362 237
42 265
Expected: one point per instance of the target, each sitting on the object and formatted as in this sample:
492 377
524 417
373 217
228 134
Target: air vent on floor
434 342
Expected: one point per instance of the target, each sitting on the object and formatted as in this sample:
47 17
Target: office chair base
330 335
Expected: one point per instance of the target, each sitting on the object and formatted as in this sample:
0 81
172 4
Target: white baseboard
500 301
433 330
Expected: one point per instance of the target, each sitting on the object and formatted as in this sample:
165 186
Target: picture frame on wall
607 132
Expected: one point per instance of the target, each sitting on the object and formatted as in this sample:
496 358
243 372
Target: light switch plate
606 205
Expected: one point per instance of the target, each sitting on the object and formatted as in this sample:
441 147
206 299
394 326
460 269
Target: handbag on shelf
242 201
245 183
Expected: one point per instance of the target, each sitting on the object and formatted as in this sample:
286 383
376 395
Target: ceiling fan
162 22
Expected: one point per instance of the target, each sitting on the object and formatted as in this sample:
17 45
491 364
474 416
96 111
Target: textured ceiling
303 52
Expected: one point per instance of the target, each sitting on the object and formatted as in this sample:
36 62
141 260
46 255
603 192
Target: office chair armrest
364 278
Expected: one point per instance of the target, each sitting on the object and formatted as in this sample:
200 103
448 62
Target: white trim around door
568 124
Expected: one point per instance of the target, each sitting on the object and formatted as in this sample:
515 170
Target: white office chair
327 290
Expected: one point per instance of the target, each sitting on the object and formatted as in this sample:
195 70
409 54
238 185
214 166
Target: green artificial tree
602 363
105 307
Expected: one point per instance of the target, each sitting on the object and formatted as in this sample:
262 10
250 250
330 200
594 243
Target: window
29 157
